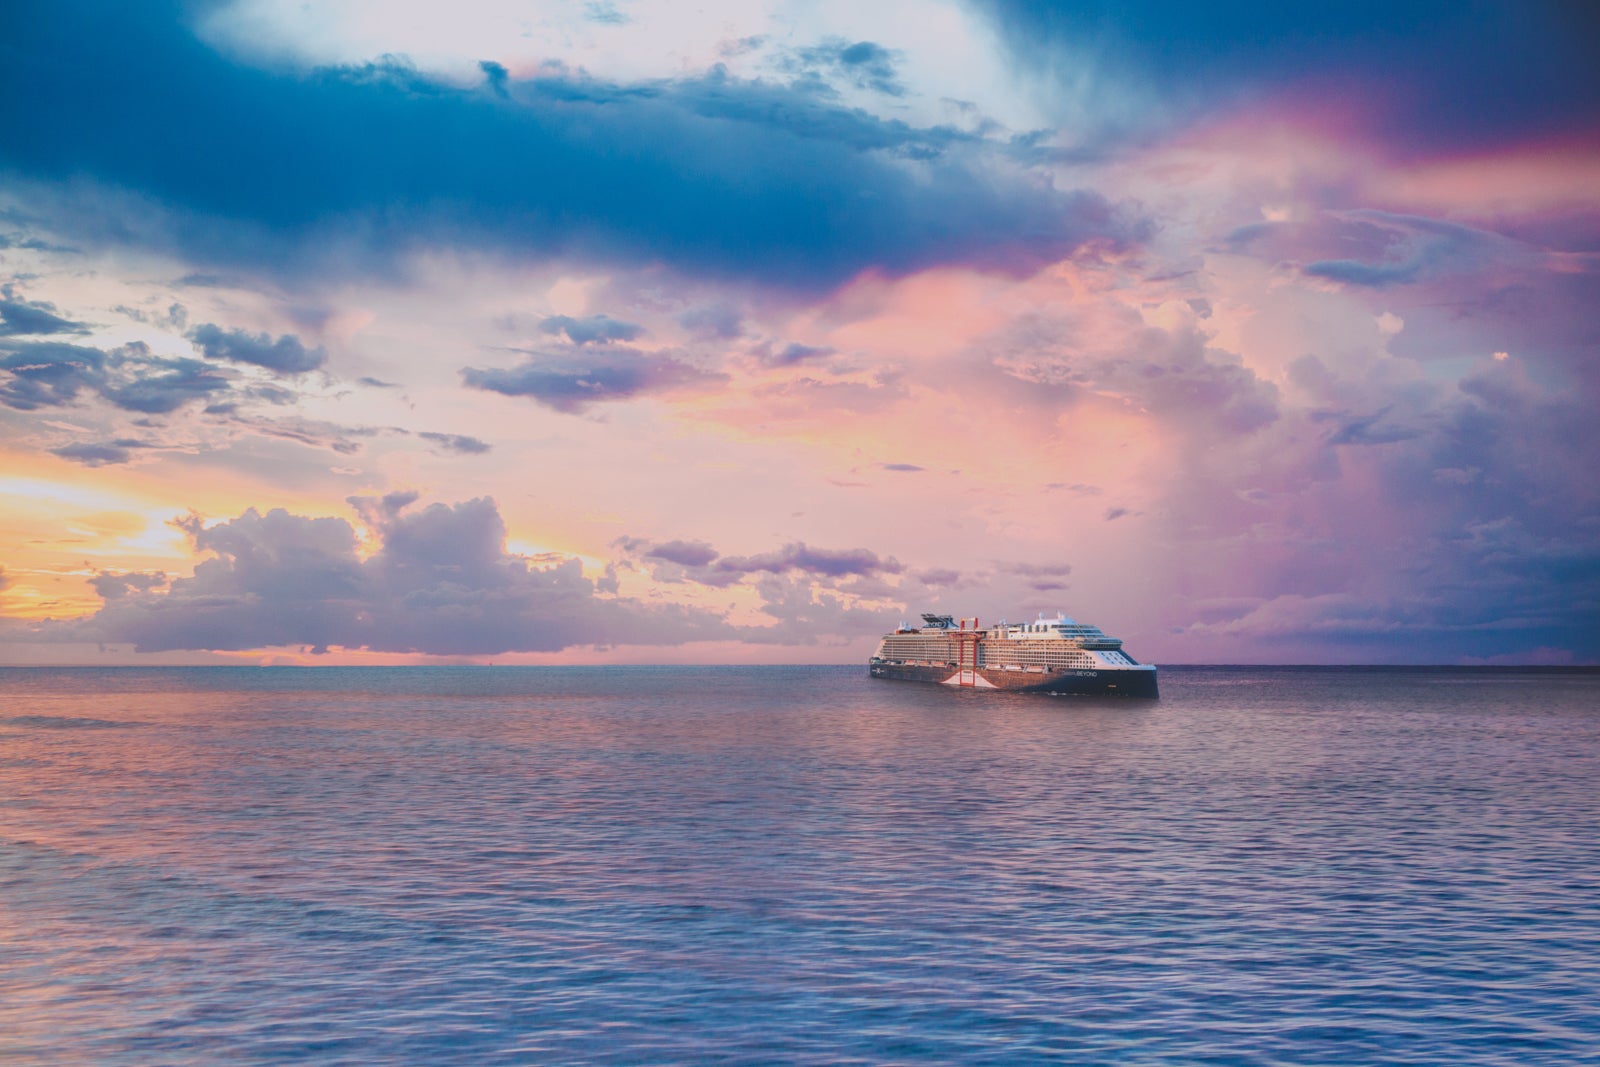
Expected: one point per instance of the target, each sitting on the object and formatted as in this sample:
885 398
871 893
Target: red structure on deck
967 652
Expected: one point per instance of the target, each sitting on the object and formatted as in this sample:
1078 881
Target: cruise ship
1057 655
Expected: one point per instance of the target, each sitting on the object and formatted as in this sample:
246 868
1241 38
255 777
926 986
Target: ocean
797 865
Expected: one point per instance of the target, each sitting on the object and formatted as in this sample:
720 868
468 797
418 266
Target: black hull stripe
1135 683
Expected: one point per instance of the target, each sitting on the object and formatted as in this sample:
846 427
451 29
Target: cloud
720 321
29 317
441 582
1368 431
177 382
1414 249
863 64
1429 77
286 355
99 454
48 373
1173 374
314 433
687 553
39 374
573 381
459 444
904 468
593 328
794 353
1041 577
699 562
825 562
604 12
111 585
174 146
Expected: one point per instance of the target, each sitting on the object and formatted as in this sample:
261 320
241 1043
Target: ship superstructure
1049 655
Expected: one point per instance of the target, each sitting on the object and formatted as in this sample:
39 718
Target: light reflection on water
796 865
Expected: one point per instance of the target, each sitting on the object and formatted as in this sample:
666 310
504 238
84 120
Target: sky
632 331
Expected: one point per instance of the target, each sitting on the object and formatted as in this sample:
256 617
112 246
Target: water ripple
797 865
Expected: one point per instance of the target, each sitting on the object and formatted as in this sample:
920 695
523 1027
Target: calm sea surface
796 865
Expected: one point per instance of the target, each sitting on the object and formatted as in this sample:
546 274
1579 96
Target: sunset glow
599 333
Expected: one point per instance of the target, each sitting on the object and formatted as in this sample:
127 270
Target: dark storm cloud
1474 532
170 144
286 355
572 380
1425 76
440 583
19 316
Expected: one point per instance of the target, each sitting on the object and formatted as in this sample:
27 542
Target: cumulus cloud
40 374
26 317
165 386
572 381
48 373
688 553
111 585
441 582
592 328
286 355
